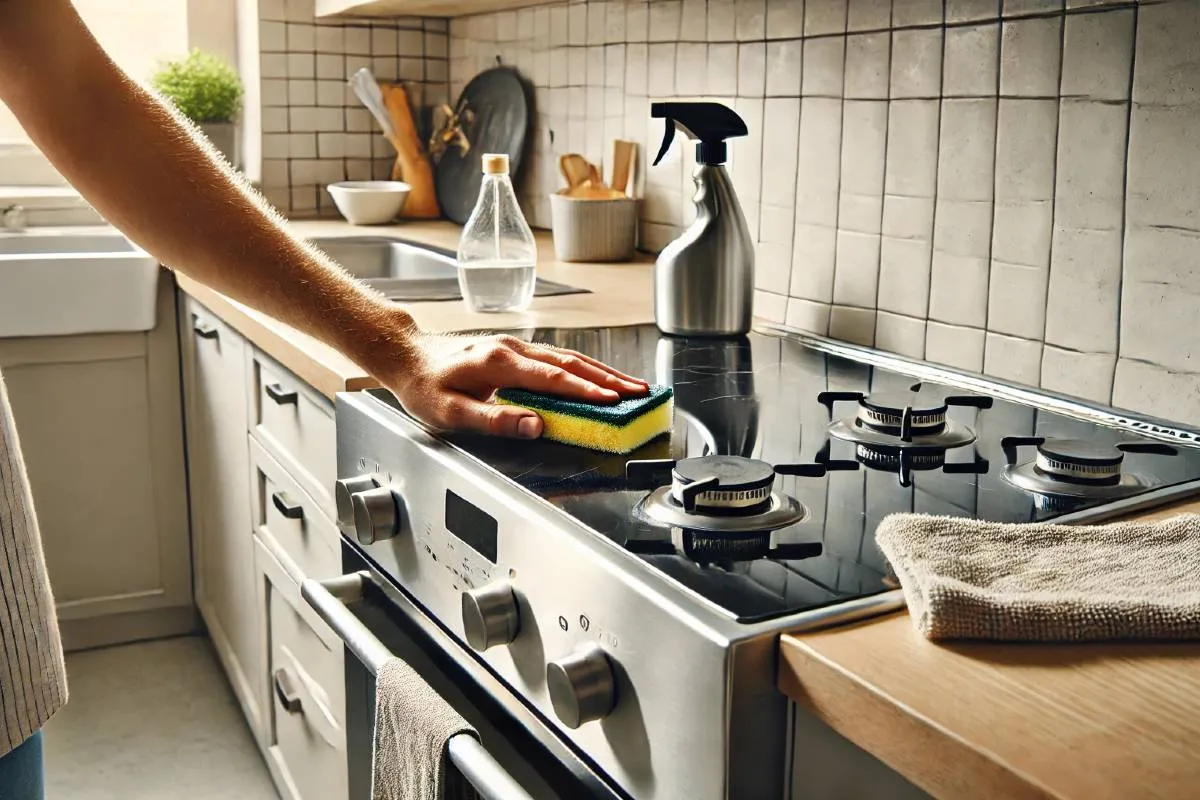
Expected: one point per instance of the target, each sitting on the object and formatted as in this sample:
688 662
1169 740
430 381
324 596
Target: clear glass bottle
497 255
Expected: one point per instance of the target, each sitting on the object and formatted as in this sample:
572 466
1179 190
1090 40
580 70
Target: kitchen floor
152 720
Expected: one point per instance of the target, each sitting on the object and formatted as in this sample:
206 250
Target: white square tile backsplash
315 131
1010 186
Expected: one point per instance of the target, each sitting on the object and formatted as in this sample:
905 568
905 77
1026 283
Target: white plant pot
224 136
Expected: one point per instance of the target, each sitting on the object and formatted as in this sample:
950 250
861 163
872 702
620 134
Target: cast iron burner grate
901 419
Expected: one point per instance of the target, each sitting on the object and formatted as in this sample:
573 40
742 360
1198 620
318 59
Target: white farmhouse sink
57 282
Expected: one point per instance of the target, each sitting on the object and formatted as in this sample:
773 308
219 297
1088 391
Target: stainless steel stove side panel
758 720
668 737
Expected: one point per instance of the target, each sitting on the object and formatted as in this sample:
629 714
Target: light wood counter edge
823 671
620 295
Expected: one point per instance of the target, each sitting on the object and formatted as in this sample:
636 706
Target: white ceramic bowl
369 202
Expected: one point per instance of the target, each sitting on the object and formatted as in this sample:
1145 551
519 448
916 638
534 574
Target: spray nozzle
708 123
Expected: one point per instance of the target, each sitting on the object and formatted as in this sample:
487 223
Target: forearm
143 169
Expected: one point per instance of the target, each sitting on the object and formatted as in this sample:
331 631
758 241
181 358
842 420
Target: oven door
517 756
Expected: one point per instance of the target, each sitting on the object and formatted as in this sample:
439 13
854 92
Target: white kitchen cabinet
101 430
215 389
306 748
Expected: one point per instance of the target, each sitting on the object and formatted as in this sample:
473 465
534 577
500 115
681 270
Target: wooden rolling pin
411 165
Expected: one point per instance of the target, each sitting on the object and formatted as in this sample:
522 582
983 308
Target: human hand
448 381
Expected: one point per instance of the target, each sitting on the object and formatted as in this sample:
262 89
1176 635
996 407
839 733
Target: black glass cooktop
761 397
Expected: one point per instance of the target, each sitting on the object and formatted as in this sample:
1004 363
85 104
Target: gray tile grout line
937 168
795 175
1112 386
837 216
991 239
887 128
1062 59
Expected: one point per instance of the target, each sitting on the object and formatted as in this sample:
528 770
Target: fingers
463 413
583 366
549 378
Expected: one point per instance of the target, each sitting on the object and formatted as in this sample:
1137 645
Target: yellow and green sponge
616 428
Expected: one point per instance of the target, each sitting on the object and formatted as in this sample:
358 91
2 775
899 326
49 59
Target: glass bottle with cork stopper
497 255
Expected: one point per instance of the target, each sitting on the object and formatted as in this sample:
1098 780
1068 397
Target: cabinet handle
286 507
280 395
205 329
286 692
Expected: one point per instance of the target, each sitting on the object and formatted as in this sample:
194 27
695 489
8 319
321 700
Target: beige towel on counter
967 579
413 725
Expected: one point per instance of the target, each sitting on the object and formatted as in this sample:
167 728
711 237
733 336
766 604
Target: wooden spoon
411 164
575 169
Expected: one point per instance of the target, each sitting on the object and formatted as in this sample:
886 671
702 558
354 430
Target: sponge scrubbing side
618 428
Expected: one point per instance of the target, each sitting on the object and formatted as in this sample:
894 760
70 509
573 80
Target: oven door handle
329 598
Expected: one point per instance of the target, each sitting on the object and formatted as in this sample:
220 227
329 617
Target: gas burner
719 495
778 511
901 419
718 486
1075 468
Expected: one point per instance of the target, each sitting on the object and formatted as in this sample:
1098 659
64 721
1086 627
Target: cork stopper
495 164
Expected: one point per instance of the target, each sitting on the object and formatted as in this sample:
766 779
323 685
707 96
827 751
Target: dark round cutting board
502 108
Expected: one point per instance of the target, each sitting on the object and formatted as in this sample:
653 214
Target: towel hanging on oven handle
329 598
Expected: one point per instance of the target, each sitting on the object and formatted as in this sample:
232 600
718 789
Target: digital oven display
471 525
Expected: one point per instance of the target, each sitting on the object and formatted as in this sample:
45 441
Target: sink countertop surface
993 719
621 294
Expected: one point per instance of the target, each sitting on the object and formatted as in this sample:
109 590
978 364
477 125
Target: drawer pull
205 329
286 693
289 509
280 395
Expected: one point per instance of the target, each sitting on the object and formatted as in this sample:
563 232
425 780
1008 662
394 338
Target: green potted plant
207 91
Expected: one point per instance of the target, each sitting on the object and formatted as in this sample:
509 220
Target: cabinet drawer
296 426
307 746
292 518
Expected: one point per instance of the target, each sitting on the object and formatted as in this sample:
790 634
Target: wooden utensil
575 169
589 190
624 153
411 165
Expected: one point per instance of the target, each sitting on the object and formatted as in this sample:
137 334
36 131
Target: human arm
148 173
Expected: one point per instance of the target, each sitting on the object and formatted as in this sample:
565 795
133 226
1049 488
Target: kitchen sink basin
58 282
376 258
405 272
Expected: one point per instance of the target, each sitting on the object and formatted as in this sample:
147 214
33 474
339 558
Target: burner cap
1079 461
742 483
884 412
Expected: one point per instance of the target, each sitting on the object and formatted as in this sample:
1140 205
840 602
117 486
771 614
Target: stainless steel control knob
376 515
344 490
582 686
490 615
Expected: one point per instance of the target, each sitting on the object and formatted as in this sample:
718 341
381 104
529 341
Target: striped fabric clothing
33 680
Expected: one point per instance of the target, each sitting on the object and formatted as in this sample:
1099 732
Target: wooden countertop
990 720
620 295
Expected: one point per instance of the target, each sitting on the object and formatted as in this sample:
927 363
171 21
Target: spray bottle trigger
667 139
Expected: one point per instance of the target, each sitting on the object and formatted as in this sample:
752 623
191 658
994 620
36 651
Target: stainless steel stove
626 609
